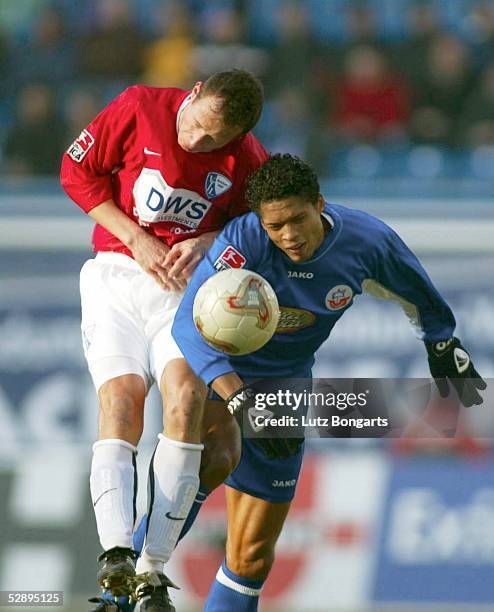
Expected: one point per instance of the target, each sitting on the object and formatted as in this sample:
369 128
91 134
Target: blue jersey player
317 257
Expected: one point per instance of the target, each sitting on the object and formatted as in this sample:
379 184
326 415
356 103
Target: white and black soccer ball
236 311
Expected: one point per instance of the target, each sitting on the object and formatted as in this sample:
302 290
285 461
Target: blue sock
122 602
231 592
140 532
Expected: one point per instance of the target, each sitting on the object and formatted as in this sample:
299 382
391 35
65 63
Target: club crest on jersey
229 258
216 184
338 297
81 146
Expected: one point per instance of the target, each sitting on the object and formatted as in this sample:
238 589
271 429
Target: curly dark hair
280 177
241 94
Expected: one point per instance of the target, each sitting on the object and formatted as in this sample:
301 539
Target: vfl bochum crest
216 184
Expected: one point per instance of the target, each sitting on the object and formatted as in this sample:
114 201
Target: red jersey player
160 171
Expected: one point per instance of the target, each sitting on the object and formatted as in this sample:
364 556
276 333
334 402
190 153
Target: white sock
173 486
113 491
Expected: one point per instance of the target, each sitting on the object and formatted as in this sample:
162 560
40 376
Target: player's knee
190 393
121 414
217 465
221 454
252 560
183 406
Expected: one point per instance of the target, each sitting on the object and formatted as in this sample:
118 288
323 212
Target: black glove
449 360
241 403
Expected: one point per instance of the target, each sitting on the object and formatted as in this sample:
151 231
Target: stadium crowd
392 74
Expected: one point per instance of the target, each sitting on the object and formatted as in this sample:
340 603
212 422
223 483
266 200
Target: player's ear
320 203
196 89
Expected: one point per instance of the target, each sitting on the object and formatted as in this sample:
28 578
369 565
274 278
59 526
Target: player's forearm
108 215
226 384
208 238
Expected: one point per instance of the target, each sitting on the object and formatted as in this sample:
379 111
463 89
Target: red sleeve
255 156
88 164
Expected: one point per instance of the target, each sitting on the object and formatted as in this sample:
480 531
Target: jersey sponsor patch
216 184
80 146
158 202
294 319
230 258
338 297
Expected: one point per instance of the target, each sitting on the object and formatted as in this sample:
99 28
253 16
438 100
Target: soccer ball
236 311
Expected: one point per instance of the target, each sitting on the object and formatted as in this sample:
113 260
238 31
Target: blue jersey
359 253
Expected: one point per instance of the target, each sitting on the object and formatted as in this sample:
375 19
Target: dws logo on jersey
338 297
158 202
216 184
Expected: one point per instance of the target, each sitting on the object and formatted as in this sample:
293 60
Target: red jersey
130 153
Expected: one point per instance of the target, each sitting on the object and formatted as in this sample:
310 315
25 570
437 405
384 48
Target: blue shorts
273 480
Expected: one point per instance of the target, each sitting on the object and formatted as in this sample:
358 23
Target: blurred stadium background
393 102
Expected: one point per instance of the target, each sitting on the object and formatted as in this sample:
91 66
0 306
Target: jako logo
296 274
284 483
158 202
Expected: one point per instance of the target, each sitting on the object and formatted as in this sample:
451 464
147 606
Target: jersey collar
328 218
185 103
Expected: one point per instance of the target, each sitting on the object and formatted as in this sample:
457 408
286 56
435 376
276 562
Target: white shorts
126 320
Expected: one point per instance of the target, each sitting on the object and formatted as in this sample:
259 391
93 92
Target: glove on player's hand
448 360
243 402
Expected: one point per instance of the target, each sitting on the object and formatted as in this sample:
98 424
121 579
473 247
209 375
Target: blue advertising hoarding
437 535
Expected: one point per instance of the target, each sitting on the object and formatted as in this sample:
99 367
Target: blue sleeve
400 277
243 236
